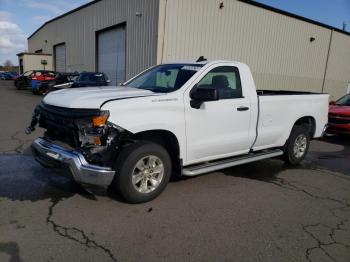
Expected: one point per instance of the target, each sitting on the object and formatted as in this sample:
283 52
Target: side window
225 79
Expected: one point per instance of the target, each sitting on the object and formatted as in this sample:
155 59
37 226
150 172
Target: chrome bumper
51 155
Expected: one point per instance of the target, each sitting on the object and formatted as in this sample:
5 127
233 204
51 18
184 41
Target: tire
136 178
20 85
297 145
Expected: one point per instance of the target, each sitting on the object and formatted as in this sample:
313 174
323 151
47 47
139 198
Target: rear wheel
297 145
143 170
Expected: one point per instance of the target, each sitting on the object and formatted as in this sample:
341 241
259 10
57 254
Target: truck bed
278 111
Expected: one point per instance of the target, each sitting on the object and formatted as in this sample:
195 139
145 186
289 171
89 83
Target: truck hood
92 97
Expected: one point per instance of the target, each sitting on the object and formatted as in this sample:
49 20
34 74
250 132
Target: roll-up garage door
60 58
111 54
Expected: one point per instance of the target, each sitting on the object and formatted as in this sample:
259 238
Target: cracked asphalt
264 211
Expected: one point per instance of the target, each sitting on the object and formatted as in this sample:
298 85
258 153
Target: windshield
344 101
93 77
165 78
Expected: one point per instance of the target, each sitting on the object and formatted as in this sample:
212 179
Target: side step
230 162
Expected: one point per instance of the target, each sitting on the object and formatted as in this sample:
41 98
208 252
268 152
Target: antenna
201 59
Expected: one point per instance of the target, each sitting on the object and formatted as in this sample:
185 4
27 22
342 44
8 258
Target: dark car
91 79
61 80
25 80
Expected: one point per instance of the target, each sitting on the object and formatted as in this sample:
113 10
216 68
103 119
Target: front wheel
143 170
297 145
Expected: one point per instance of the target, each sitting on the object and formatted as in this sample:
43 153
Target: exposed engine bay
85 130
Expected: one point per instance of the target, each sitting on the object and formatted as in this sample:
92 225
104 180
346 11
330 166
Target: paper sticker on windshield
191 68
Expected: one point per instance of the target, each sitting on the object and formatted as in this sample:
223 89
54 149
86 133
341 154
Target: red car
25 80
339 116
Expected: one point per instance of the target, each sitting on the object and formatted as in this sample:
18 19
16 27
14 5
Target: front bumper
338 129
88 175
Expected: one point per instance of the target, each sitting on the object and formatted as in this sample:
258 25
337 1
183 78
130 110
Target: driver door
218 128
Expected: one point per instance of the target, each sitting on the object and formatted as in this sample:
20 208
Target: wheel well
309 122
166 139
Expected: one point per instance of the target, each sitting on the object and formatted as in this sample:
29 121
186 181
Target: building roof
305 19
250 2
27 53
65 14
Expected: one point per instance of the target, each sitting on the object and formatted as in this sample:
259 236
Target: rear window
93 77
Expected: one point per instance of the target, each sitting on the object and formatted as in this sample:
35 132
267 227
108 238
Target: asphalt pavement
263 211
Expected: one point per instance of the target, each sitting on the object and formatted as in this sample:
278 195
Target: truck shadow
21 178
12 250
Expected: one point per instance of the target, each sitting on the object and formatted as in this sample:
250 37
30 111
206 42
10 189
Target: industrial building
123 37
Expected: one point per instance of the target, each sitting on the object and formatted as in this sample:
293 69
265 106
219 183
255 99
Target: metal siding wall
78 29
276 47
338 71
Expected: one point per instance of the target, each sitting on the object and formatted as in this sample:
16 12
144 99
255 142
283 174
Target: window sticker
191 68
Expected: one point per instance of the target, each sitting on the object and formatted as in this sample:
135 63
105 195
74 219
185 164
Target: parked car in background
5 76
14 75
25 80
61 81
91 79
339 116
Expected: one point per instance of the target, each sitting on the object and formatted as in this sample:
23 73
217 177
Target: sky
20 18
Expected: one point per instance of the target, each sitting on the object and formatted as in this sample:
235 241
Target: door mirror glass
201 94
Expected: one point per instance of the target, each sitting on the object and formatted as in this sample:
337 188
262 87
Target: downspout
164 23
325 69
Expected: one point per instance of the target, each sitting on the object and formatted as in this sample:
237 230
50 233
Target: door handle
242 108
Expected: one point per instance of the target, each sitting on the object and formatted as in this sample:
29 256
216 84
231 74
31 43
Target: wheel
297 145
143 170
20 85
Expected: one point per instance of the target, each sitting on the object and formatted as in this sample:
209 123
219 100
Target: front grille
338 121
61 123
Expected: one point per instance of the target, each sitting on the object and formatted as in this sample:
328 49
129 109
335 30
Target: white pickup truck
173 119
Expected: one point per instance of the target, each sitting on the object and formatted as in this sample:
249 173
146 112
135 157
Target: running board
234 161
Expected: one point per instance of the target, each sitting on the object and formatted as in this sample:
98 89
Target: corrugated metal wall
77 30
275 46
338 70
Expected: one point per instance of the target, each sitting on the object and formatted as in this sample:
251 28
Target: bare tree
8 63
8 66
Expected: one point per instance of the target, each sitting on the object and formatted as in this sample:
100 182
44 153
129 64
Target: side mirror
331 103
201 94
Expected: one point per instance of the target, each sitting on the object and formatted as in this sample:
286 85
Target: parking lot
264 211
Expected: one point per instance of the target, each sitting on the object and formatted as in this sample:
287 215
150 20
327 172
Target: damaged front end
81 139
